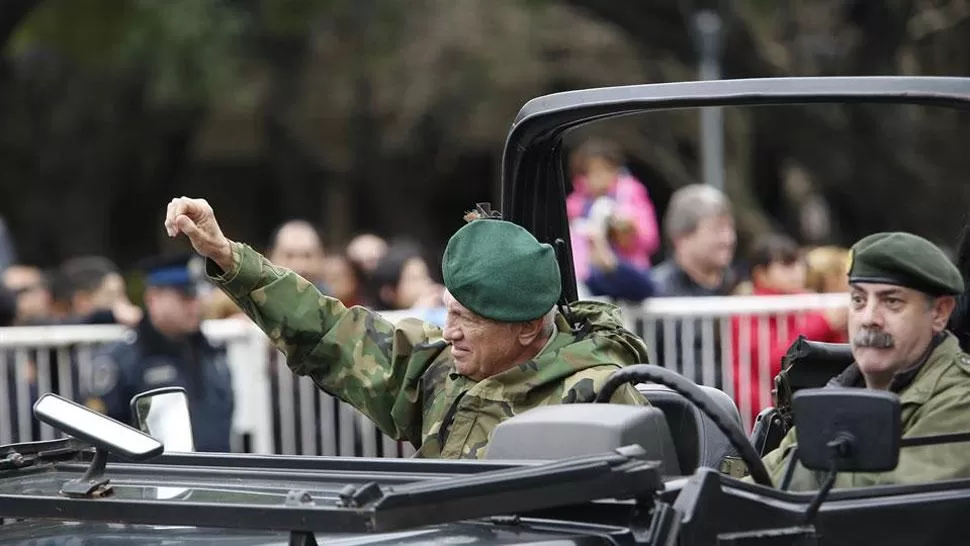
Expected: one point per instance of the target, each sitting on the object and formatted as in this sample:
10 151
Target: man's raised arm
354 353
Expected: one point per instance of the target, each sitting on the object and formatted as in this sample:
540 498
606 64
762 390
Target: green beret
500 271
906 260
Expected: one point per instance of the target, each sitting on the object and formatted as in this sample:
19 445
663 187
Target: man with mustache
903 289
505 347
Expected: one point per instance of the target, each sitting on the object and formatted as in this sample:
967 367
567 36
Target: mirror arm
840 448
813 508
93 483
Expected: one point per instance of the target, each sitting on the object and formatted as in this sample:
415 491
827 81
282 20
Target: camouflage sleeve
353 353
584 385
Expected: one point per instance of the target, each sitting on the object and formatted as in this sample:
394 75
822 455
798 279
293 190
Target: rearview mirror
103 432
847 430
164 414
95 428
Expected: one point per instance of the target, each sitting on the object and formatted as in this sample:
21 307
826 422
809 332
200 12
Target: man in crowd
96 292
296 245
903 290
699 223
505 348
366 250
32 289
168 349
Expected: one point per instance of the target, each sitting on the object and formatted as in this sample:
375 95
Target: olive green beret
498 270
906 260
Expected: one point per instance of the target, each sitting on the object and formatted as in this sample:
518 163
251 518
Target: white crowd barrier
278 412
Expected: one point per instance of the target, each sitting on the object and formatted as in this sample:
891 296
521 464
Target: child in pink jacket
613 225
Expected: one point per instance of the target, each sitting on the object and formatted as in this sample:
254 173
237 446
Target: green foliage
187 50
289 17
80 29
192 46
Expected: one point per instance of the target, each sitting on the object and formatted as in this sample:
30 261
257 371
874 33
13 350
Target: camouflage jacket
936 400
403 377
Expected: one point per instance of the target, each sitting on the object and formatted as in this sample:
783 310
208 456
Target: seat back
570 430
697 440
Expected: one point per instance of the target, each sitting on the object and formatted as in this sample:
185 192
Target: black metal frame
418 467
533 184
712 504
415 503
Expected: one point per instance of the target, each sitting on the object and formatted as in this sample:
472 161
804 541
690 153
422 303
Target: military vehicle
572 474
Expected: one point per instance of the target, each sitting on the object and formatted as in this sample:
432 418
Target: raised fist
195 219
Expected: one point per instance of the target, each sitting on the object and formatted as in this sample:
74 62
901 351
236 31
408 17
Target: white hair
549 322
691 204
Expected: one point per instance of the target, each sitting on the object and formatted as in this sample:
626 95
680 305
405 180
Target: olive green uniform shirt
936 401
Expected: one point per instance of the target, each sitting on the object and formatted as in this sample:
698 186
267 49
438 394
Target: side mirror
844 430
847 430
164 414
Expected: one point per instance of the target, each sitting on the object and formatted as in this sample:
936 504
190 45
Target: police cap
181 271
904 259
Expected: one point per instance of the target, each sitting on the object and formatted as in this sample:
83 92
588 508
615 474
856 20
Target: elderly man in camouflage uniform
505 348
902 294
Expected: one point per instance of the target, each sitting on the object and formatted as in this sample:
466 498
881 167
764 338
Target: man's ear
529 331
942 309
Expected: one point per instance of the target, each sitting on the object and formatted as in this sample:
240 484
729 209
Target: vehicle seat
697 440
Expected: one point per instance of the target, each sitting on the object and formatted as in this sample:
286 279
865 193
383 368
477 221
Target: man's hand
194 218
126 313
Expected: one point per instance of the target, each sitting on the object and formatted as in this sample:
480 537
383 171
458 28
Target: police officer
902 293
168 349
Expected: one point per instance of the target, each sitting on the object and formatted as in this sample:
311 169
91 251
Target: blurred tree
390 116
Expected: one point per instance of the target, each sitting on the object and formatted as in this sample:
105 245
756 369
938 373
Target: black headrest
811 364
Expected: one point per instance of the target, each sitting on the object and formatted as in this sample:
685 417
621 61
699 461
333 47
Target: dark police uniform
149 360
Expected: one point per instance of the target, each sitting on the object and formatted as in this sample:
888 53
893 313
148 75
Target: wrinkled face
600 176
172 311
480 347
712 242
890 327
415 282
787 278
299 249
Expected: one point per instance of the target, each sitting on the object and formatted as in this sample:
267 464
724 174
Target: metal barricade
279 412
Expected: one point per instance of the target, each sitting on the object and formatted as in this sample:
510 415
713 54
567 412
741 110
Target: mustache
873 338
